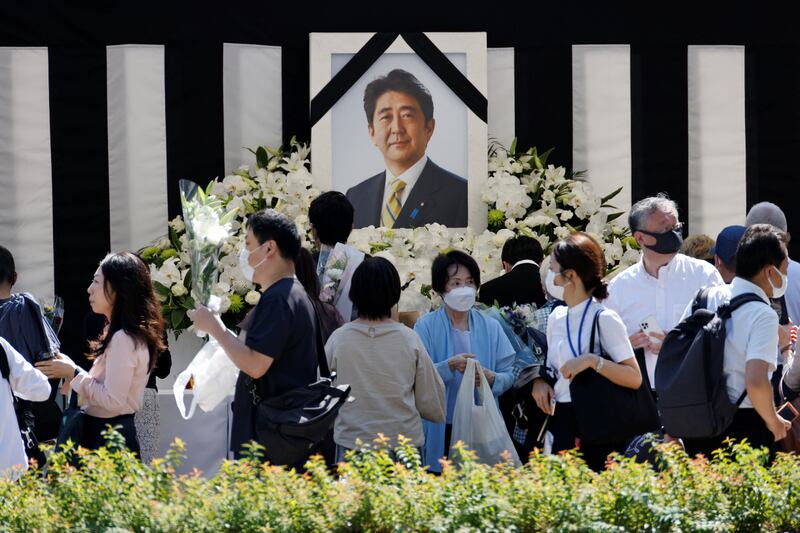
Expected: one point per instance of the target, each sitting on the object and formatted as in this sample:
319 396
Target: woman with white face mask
577 266
455 333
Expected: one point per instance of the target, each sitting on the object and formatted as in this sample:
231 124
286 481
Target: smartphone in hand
650 325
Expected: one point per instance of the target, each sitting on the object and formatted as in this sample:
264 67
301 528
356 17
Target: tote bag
480 425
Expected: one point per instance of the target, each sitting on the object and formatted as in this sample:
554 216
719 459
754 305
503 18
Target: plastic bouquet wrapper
54 313
342 263
520 326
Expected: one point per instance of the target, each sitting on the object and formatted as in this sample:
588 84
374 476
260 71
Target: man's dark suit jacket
438 196
521 286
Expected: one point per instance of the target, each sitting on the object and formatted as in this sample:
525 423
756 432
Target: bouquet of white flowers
208 226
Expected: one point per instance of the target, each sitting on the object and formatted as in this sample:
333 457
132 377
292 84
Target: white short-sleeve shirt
613 336
635 295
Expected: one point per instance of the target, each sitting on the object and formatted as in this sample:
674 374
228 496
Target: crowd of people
404 381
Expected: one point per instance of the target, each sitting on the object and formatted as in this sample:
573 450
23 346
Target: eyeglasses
677 227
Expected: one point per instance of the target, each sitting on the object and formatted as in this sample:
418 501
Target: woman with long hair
124 354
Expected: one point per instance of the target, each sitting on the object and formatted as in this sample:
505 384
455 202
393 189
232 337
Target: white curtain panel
717 158
252 100
601 118
501 95
137 145
26 191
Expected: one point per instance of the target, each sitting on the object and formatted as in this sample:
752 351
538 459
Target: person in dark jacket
521 258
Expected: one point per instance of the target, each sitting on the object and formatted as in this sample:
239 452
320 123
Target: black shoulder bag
607 413
24 417
290 425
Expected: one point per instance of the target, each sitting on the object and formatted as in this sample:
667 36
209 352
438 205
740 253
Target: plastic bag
480 427
214 375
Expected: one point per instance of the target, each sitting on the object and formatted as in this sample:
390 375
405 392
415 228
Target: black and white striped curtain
93 138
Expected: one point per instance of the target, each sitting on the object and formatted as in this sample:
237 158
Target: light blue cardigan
491 348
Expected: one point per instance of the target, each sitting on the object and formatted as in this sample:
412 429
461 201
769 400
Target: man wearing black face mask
656 290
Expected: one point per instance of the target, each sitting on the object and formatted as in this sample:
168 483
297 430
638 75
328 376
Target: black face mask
667 243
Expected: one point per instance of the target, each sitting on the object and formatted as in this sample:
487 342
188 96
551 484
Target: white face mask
777 292
244 266
460 299
556 291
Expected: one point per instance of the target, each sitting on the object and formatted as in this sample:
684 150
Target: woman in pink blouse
112 391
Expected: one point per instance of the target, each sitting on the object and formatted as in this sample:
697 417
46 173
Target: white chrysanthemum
177 224
220 288
562 232
224 304
252 297
179 289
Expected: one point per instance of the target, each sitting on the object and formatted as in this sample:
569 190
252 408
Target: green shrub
376 491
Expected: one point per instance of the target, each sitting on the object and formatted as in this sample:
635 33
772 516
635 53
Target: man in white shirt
659 286
413 190
27 383
751 338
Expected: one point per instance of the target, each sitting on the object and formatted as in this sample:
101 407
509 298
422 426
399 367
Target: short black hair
269 225
331 213
7 267
761 245
401 81
375 288
440 269
520 248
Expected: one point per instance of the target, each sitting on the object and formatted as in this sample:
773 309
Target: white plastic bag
480 427
214 375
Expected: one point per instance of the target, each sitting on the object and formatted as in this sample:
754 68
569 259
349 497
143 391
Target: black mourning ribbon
375 47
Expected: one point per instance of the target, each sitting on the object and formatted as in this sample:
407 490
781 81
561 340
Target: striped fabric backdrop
93 139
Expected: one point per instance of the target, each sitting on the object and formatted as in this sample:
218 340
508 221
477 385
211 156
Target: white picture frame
468 51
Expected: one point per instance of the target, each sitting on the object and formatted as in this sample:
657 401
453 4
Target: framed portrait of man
404 147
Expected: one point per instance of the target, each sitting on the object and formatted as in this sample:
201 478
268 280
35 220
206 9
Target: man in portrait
413 190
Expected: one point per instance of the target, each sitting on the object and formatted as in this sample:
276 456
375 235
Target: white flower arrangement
524 197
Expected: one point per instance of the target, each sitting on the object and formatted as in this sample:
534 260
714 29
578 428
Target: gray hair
641 210
766 213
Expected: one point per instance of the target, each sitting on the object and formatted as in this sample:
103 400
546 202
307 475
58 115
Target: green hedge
735 492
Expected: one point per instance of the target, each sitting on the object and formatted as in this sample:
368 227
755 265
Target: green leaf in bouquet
249 150
161 289
293 141
513 148
614 216
173 237
544 157
188 303
262 158
187 280
249 181
229 216
210 186
608 197
176 317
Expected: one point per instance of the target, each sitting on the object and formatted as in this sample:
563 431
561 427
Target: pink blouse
115 384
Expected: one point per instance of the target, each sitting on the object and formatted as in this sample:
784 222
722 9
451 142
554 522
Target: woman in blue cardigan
455 333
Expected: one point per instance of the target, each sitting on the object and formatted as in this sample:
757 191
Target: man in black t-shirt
279 352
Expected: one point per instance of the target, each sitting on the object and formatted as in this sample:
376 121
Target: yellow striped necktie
393 206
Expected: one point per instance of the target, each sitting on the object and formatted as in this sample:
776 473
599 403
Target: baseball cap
727 242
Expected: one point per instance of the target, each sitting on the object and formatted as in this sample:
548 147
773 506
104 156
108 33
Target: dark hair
269 225
375 288
7 267
440 269
761 245
135 310
401 81
331 213
305 268
581 253
521 247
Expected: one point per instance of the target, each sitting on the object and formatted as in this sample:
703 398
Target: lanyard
580 330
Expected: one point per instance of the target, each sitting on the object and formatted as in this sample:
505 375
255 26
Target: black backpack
24 416
692 394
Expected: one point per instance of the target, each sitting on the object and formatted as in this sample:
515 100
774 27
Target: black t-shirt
283 327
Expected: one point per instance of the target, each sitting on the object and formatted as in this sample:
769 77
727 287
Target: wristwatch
600 363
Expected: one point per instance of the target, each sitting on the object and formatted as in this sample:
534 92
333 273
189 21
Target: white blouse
613 336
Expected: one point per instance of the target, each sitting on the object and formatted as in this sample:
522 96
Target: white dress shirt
635 295
410 178
28 384
613 336
793 292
